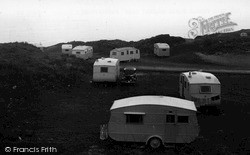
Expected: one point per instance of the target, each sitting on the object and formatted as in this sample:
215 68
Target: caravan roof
125 48
66 46
81 47
154 100
106 62
201 77
162 45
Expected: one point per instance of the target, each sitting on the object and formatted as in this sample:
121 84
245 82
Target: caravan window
131 52
113 53
136 51
78 52
122 53
170 119
127 52
104 69
67 50
182 119
205 89
134 118
164 49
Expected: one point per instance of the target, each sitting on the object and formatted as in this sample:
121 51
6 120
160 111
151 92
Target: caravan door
170 127
131 55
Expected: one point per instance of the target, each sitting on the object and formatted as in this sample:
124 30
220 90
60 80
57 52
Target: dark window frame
202 90
134 118
104 69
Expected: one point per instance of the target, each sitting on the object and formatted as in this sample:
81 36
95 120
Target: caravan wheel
155 143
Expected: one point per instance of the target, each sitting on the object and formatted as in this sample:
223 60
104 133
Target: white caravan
84 52
125 54
152 119
106 70
161 49
201 87
67 49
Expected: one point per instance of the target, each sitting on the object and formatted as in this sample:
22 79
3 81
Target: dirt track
183 69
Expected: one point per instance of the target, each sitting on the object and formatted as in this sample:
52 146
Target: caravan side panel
80 54
83 54
187 132
117 55
109 76
120 130
164 52
67 49
154 123
161 51
184 87
89 53
201 99
137 54
125 54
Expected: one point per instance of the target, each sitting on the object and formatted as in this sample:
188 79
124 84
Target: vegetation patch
25 73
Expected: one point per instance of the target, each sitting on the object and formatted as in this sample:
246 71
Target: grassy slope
25 73
229 49
224 43
21 59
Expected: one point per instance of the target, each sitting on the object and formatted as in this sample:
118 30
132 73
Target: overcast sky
53 21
